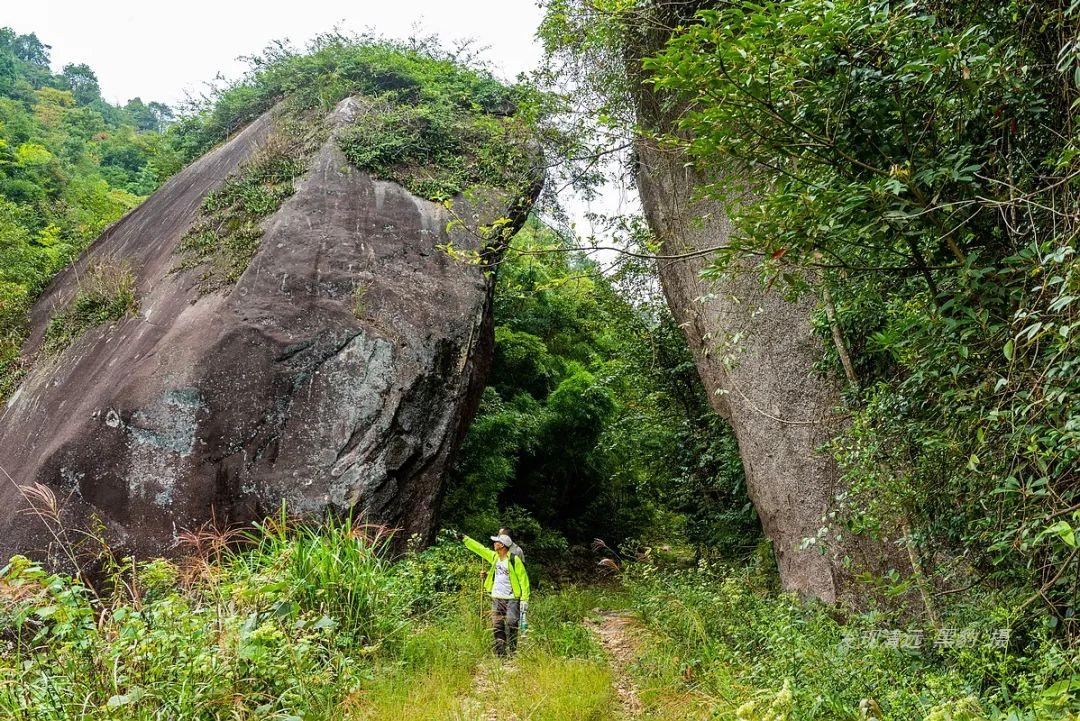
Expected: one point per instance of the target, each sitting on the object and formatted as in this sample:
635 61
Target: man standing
515 550
508 584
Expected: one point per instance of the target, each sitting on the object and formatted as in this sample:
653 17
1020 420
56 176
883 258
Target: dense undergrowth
724 646
292 622
285 622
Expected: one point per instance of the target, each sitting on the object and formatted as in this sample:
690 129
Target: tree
906 174
149 116
82 82
755 347
8 72
25 47
595 423
70 164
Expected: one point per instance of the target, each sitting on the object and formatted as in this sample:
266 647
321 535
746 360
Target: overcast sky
159 50
163 50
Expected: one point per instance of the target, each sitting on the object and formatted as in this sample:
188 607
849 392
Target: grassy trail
620 635
316 627
560 673
584 658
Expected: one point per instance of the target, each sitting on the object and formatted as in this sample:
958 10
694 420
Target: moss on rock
229 230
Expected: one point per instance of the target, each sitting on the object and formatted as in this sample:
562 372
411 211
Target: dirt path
477 706
616 632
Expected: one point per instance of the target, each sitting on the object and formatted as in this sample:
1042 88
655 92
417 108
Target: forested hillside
70 164
801 442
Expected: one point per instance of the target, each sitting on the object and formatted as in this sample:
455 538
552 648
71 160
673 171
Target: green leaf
324 622
1064 531
126 699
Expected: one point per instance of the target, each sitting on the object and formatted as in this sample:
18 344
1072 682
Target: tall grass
106 293
544 687
337 571
433 676
291 621
295 623
723 648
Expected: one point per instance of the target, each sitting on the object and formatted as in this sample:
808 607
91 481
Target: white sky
157 50
163 50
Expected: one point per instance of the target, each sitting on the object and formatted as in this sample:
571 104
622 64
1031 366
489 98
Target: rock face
755 352
339 372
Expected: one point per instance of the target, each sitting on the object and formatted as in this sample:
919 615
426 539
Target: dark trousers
505 613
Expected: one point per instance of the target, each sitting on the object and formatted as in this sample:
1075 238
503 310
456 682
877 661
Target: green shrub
335 66
105 293
776 655
338 572
431 579
437 148
293 622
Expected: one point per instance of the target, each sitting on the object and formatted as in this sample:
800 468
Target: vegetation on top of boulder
335 66
437 122
437 148
430 122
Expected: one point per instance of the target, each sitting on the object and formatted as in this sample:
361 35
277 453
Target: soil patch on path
618 633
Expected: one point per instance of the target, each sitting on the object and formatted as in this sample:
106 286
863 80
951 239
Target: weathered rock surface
755 352
282 387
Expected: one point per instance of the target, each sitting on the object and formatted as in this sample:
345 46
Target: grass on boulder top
437 149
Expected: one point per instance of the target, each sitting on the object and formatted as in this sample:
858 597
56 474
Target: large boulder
339 371
756 351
